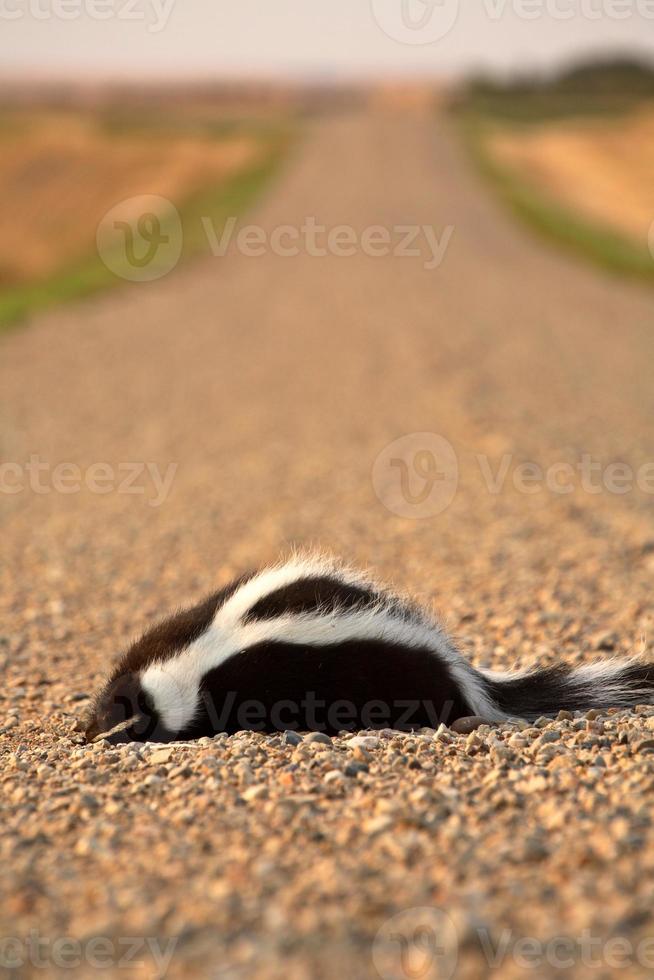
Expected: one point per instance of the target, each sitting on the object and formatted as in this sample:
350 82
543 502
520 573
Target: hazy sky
322 38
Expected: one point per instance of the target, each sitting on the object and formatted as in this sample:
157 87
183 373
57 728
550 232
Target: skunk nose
91 731
124 731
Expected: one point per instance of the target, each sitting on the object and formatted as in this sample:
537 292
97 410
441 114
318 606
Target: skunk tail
545 691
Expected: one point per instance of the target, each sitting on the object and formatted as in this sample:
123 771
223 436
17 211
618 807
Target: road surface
382 406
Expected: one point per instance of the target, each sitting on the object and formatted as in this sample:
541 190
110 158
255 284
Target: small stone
89 801
160 756
388 806
518 741
291 738
180 771
534 785
334 776
354 768
318 738
243 772
535 849
258 792
377 825
646 746
607 641
363 742
85 846
501 752
463 726
421 795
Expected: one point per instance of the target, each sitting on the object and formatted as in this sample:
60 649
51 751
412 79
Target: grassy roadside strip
89 274
553 221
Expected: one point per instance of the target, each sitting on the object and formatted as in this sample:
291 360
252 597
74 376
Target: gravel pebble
317 738
291 738
463 726
355 768
367 742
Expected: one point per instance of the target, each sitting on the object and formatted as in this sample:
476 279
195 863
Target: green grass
603 87
553 221
89 274
534 106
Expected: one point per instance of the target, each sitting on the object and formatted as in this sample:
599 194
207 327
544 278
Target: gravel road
264 393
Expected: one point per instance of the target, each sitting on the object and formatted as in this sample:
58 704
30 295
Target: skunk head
142 688
125 712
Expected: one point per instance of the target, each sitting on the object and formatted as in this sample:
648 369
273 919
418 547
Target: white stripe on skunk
310 633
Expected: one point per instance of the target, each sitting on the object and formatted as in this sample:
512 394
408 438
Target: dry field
601 168
60 172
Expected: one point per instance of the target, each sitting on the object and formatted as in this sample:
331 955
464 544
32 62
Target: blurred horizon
18 80
163 41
